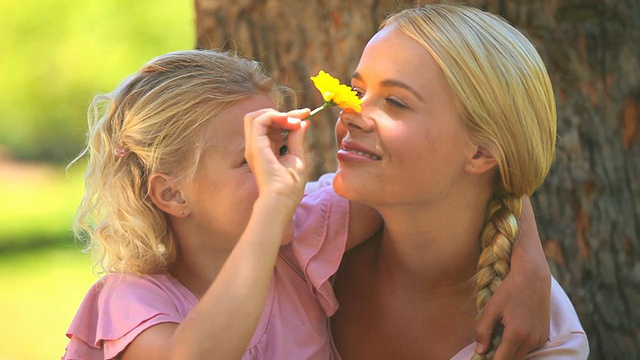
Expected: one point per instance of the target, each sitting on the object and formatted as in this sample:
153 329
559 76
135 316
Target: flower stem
285 133
318 109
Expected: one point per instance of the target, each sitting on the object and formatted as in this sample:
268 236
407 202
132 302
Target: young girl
189 212
168 195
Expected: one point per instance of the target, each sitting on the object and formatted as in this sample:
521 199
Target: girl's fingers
256 124
264 129
295 141
291 120
299 113
270 122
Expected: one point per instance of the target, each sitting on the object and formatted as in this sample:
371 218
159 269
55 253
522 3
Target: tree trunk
294 40
589 207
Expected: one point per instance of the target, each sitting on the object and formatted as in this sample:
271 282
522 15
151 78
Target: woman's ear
166 195
481 160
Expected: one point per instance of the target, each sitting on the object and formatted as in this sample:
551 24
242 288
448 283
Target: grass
40 202
43 274
57 55
41 291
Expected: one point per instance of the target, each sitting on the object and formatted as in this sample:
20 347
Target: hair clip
120 151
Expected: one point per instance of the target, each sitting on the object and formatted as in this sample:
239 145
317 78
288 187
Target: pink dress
294 321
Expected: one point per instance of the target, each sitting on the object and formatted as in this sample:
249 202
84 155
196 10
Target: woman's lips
354 151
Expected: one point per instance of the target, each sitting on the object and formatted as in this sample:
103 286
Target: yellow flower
335 93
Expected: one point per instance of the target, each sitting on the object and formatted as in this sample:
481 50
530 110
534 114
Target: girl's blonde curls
154 121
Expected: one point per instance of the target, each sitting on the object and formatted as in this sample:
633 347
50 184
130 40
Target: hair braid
497 238
507 105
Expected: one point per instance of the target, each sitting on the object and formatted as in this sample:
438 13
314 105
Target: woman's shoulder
567 338
564 318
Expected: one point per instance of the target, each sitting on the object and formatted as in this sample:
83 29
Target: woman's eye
395 103
359 93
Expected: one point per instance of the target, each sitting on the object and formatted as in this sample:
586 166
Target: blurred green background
54 57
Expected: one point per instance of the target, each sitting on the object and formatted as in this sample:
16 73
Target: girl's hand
279 177
521 304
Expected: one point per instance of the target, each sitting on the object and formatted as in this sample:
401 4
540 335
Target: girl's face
224 189
408 145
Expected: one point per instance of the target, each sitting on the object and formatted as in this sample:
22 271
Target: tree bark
588 209
294 40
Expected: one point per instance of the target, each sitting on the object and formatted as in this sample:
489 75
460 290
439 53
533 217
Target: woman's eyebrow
392 83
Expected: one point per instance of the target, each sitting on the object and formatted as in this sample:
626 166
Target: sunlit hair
156 120
506 102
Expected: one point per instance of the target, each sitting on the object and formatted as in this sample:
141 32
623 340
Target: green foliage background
56 55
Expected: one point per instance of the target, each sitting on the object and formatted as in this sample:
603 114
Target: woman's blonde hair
154 121
507 105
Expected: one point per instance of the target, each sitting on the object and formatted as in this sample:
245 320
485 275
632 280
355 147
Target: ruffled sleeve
114 311
323 181
321 227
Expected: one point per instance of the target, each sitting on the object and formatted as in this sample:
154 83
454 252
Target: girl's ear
166 195
480 161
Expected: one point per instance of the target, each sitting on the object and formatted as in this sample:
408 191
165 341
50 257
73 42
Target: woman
458 125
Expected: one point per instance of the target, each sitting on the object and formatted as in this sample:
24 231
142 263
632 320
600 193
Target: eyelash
388 100
395 103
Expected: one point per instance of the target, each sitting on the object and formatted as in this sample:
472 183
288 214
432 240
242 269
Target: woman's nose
354 121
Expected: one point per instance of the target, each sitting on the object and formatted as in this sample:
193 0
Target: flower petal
333 91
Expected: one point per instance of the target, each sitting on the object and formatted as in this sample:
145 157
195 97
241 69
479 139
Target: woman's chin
348 185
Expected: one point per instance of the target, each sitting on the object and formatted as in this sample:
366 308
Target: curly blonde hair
506 102
154 121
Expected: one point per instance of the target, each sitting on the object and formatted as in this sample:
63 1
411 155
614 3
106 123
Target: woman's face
408 145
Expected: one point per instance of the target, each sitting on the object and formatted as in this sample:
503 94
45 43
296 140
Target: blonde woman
458 125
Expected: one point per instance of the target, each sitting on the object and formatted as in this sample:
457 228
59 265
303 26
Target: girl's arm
223 322
522 302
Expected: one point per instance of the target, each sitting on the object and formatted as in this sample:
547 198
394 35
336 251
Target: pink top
294 322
